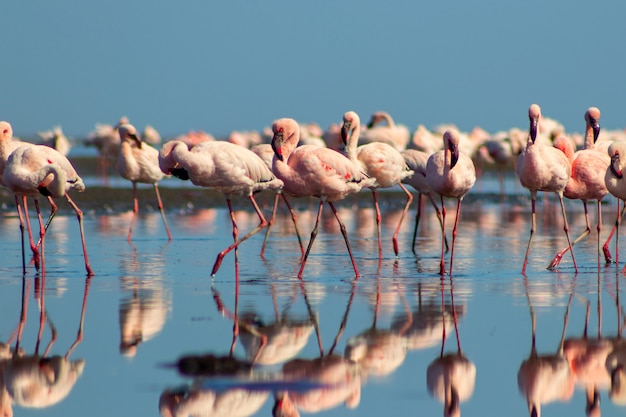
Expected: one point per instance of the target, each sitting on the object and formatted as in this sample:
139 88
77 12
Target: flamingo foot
556 261
607 254
395 246
218 263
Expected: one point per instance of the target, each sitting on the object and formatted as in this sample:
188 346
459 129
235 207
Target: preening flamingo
139 162
378 160
315 171
390 133
586 182
543 168
39 170
450 173
230 169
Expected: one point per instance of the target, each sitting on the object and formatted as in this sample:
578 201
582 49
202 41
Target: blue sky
225 65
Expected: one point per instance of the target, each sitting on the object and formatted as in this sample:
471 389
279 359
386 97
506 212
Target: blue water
160 298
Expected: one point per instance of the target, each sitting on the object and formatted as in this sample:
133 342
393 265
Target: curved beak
277 145
454 154
595 125
136 138
345 130
533 128
615 166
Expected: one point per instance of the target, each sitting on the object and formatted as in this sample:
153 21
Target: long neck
51 181
590 142
387 118
192 161
353 141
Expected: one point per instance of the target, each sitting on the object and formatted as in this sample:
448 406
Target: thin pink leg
566 229
160 203
262 224
559 256
533 197
438 212
295 223
417 220
607 253
342 227
378 221
135 210
81 324
312 239
454 231
409 198
442 264
269 225
79 216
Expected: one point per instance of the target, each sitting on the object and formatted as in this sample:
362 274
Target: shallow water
152 301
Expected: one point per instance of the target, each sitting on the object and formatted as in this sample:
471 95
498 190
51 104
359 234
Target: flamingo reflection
451 377
39 380
545 378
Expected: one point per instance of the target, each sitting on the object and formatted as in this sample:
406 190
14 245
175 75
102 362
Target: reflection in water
451 377
545 378
616 360
196 402
379 351
38 380
144 309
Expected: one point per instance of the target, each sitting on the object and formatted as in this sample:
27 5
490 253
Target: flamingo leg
378 221
417 220
34 248
135 210
533 197
269 225
20 215
557 258
312 239
79 216
409 198
81 324
442 265
160 205
342 227
454 231
434 203
42 234
566 229
607 253
262 224
293 218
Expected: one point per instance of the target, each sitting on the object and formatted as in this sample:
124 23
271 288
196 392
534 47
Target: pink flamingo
315 171
266 153
589 167
380 161
416 161
392 134
450 173
139 162
230 169
616 185
543 168
40 170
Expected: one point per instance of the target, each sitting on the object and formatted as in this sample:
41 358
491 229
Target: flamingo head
350 122
615 160
534 114
451 140
592 117
129 133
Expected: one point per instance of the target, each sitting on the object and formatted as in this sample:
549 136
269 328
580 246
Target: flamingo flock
298 160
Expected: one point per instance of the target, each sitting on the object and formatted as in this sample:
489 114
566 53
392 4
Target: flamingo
35 170
417 161
589 167
543 168
450 173
380 161
106 139
56 139
266 153
7 145
616 184
392 134
230 169
139 162
315 171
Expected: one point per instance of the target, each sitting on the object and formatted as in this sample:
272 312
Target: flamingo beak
454 154
136 138
277 145
595 125
533 129
615 166
345 129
